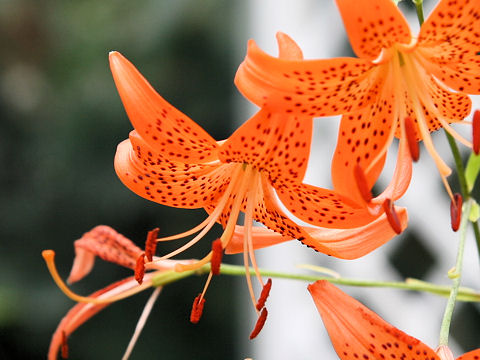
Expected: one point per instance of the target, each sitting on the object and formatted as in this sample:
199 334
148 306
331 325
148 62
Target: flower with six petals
399 86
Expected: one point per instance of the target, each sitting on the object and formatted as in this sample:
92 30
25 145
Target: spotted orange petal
373 25
275 143
322 207
163 127
362 137
106 243
357 332
450 40
81 312
168 182
309 87
343 243
471 355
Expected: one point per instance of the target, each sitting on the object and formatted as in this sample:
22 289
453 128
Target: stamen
392 216
141 322
476 132
411 138
49 257
196 265
197 309
456 211
140 268
264 294
64 348
151 244
259 325
217 254
362 184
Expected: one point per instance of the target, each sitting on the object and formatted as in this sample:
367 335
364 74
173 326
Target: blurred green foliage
60 121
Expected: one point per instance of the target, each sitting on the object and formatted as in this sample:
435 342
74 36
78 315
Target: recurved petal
401 177
472 355
450 40
356 331
322 207
373 25
261 238
275 143
306 87
169 182
106 243
342 243
362 138
164 128
81 312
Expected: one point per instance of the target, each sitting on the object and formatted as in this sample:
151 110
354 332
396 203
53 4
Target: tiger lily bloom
106 243
357 332
398 86
171 160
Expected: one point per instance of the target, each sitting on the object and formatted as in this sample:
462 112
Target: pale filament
215 214
209 221
425 133
247 239
431 107
232 220
49 257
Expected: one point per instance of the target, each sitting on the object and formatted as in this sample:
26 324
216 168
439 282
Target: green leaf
471 172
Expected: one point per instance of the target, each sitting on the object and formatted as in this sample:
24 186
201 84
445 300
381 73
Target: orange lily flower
399 86
106 243
171 160
357 332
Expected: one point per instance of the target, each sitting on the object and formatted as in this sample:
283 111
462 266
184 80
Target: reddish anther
197 309
264 295
151 243
362 184
140 268
412 138
259 325
64 348
217 254
392 216
456 211
476 132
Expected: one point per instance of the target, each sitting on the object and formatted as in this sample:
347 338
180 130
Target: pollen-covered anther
392 216
259 325
140 268
197 309
456 211
217 254
476 132
64 347
151 243
362 184
264 294
412 138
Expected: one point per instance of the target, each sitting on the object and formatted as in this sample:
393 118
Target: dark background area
60 122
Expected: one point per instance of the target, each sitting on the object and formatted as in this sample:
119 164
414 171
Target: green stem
458 165
464 294
419 8
457 274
